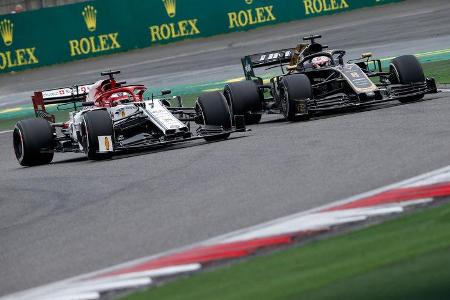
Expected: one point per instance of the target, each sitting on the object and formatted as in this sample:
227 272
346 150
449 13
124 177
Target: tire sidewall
243 97
31 137
215 112
294 87
407 69
96 123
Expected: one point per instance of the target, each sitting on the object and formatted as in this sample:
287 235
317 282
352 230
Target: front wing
147 142
388 93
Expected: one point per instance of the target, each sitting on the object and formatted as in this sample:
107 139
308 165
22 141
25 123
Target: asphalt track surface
75 216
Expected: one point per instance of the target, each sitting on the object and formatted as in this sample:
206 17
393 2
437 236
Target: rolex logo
6 30
171 7
90 17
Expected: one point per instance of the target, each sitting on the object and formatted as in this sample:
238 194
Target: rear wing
266 59
58 96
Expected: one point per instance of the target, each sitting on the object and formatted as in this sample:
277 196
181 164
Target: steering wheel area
308 62
322 59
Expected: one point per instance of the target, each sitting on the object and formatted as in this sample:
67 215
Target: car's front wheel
98 134
293 88
407 69
215 111
245 99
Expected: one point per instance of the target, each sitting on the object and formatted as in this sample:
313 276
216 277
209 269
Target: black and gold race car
315 79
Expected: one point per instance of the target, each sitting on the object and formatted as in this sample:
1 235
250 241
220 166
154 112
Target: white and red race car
116 117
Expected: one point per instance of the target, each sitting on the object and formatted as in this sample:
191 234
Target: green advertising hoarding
88 29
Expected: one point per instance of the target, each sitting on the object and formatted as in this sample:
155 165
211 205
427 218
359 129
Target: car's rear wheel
407 69
97 123
294 87
215 111
33 142
245 99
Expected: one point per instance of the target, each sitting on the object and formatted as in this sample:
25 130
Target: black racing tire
244 97
33 142
215 112
407 69
96 123
294 87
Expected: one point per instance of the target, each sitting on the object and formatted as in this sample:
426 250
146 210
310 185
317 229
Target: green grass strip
440 70
406 258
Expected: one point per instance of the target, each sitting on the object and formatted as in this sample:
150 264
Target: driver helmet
320 62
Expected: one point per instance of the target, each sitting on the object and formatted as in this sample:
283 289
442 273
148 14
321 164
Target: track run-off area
76 216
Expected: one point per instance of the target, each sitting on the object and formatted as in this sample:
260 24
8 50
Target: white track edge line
79 296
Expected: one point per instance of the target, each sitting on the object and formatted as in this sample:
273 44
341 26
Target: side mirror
166 92
366 55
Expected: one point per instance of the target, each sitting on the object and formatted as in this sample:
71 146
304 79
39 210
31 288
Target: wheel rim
200 109
285 102
86 136
18 144
227 95
396 75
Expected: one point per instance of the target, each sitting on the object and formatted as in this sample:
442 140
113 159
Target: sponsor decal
313 7
66 92
270 57
173 30
301 107
248 68
252 16
95 43
123 111
13 58
162 117
105 144
357 79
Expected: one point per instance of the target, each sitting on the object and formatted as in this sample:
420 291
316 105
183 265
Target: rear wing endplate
259 60
58 96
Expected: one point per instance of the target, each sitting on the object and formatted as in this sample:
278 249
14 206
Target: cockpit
314 56
109 92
